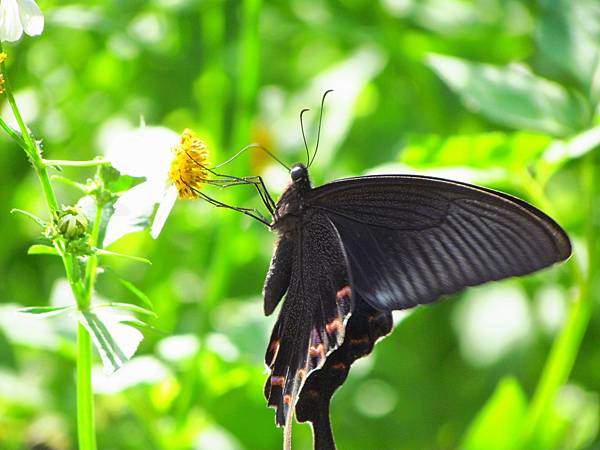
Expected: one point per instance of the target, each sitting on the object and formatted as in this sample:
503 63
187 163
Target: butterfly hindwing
410 239
311 323
364 328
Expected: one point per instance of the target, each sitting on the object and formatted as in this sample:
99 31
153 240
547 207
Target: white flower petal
133 211
32 18
143 152
10 23
164 209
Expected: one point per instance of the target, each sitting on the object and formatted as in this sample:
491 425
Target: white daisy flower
172 166
17 16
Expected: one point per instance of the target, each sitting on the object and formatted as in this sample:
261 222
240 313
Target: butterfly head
299 173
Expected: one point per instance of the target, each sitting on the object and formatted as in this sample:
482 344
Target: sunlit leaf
39 249
127 307
141 325
31 216
102 252
139 294
480 150
561 152
46 310
513 96
115 340
497 425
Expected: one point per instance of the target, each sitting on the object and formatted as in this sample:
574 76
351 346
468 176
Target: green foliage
502 93
497 425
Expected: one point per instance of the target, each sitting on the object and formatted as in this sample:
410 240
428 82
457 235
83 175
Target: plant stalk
565 349
85 397
85 401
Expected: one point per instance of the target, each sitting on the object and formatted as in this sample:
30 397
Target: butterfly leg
255 180
252 212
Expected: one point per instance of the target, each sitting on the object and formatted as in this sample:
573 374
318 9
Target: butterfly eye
298 172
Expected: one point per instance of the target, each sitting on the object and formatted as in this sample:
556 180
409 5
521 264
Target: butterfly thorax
290 206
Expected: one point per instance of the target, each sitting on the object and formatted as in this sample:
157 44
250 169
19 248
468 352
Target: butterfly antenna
319 130
304 135
253 146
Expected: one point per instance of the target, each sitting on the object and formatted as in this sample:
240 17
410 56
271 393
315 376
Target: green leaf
513 96
137 292
141 325
45 310
497 425
132 288
103 252
31 216
569 37
127 307
115 340
40 249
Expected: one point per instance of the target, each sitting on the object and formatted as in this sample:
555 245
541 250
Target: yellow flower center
188 168
3 57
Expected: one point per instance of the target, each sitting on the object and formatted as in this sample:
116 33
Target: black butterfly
350 252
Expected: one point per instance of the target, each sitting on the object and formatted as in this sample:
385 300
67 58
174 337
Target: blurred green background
499 92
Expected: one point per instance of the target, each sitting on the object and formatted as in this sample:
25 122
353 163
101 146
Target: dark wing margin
312 320
411 239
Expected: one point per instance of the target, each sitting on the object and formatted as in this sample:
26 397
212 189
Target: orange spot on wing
301 373
344 292
335 325
277 381
361 340
316 350
274 345
287 399
339 365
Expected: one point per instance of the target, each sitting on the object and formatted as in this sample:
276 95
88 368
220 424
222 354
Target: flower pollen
188 168
3 57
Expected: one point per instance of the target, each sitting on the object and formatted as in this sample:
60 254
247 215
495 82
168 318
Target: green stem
85 397
85 402
69 182
92 265
13 134
30 147
565 349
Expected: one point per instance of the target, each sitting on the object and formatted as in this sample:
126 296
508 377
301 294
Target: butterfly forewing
410 240
311 322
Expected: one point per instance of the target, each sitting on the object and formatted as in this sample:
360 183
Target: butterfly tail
322 431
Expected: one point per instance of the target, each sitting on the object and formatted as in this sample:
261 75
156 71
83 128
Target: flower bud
72 222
